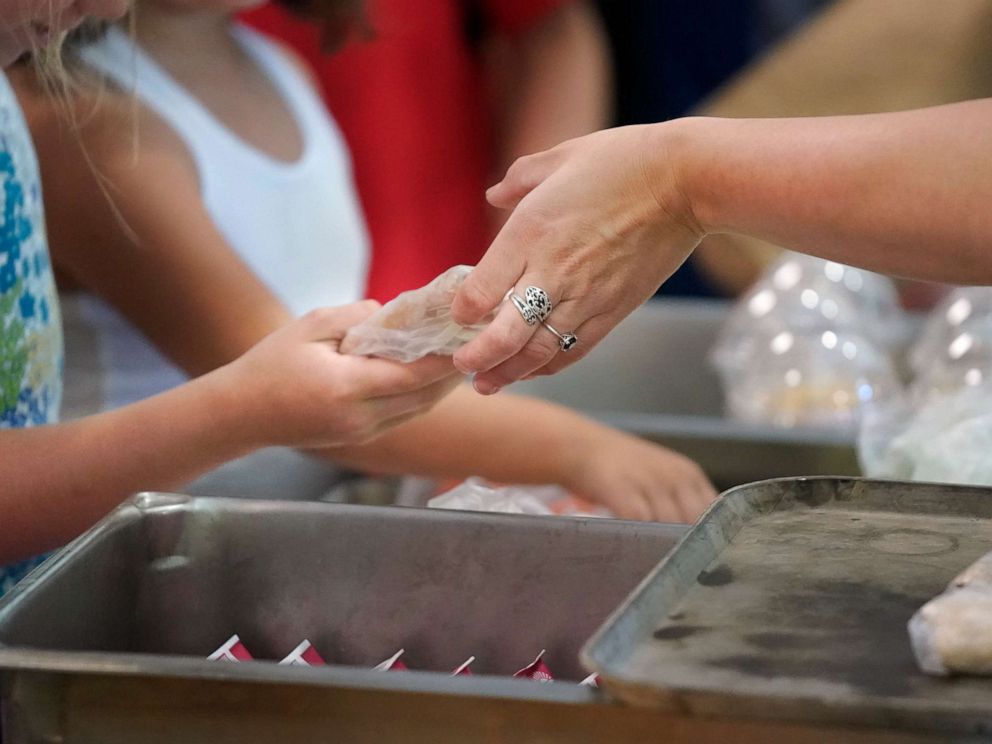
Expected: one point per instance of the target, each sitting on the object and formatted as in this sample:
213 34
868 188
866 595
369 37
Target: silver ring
534 307
538 299
566 341
528 313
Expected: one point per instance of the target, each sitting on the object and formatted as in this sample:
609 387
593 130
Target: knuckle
473 298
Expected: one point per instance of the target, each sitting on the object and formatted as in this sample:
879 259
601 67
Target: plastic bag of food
415 323
809 344
803 377
959 312
475 495
231 650
952 633
948 440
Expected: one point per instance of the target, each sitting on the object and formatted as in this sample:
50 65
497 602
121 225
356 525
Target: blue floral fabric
30 325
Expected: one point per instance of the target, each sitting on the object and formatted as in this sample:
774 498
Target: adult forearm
903 193
510 439
60 479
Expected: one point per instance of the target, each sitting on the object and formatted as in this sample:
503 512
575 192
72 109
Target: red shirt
412 106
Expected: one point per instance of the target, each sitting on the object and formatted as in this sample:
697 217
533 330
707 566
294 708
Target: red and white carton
232 650
392 664
537 670
465 668
304 655
591 681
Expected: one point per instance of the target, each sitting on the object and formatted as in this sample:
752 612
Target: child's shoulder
103 121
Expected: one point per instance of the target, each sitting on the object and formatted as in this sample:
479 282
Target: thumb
332 323
522 177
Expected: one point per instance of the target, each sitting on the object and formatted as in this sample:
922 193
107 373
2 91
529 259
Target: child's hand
299 391
639 480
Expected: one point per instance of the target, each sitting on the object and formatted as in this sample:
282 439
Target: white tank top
298 225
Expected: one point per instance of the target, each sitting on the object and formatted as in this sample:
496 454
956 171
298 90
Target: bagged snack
809 345
945 440
304 655
537 670
232 650
952 633
477 494
415 323
465 668
961 311
392 664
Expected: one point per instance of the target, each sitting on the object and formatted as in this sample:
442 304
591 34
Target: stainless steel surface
142 598
789 600
651 376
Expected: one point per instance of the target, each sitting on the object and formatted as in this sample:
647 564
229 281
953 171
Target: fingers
377 378
522 177
391 410
589 334
499 269
540 349
332 323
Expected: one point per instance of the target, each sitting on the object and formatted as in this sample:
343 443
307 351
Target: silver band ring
566 341
538 299
528 313
534 307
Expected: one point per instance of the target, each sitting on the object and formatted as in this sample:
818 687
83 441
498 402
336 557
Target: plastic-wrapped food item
464 669
304 655
952 633
537 670
964 360
961 310
476 494
948 440
825 379
808 345
415 323
392 664
802 292
231 650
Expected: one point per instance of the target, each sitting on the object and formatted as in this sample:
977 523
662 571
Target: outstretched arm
601 221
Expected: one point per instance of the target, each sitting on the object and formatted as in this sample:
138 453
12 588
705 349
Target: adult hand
300 391
598 222
636 479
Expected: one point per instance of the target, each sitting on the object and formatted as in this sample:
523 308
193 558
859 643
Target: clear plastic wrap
947 440
476 495
962 309
415 323
809 345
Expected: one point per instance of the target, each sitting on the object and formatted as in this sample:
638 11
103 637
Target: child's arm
292 388
190 293
512 439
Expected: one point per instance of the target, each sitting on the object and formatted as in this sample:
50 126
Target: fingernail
462 367
483 387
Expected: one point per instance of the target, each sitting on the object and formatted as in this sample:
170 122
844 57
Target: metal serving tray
107 641
651 376
789 601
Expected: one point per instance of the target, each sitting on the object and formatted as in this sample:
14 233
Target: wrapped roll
952 633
